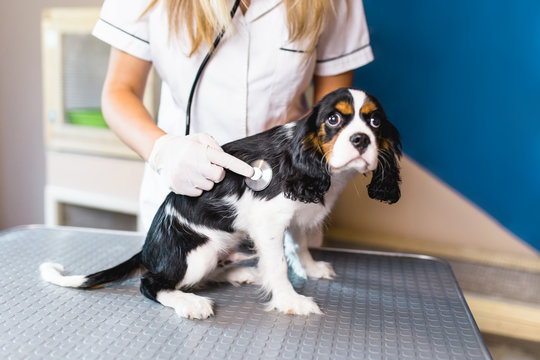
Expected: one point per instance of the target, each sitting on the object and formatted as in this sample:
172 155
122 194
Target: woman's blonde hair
203 19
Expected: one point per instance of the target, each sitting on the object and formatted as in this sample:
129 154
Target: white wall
22 160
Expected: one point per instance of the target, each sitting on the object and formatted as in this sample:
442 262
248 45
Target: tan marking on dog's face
316 141
344 107
328 147
368 107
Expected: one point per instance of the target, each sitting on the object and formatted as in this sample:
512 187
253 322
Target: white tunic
255 79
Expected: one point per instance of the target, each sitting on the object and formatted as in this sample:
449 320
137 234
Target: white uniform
255 79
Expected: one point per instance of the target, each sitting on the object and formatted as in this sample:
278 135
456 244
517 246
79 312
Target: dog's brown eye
334 119
374 120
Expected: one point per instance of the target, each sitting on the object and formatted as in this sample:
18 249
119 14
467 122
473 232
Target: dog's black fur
300 173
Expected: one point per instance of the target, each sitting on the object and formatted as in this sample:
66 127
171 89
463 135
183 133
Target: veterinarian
271 52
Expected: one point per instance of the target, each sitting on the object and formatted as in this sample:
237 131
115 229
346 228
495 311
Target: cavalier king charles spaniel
312 159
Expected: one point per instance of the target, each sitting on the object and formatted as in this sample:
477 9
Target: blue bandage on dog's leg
297 274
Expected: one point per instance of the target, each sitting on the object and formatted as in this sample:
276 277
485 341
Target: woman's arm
323 85
122 104
189 164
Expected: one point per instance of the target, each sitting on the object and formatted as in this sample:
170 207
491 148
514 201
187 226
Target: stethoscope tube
201 68
263 172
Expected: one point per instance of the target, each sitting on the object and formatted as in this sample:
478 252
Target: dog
191 238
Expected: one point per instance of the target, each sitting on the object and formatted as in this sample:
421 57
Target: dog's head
348 130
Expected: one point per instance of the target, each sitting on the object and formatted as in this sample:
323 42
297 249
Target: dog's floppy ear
305 173
386 179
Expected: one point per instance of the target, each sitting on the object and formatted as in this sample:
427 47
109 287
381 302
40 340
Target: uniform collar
258 8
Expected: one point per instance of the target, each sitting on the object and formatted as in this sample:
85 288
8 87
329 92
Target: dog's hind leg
236 275
186 272
188 305
228 269
178 256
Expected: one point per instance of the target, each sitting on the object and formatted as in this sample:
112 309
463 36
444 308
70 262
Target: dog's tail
54 273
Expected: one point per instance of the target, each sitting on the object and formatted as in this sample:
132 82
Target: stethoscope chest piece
262 177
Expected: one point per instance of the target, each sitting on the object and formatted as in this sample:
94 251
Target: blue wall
461 80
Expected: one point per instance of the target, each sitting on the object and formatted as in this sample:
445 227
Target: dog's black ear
306 177
384 185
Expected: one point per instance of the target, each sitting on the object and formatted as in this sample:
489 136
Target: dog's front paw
319 270
294 304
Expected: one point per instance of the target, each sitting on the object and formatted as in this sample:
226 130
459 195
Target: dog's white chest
309 215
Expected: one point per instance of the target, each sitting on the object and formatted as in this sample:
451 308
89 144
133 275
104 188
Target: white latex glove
194 163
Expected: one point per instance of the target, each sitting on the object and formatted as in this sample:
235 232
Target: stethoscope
263 172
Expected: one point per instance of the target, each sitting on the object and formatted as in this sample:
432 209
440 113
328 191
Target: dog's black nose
360 141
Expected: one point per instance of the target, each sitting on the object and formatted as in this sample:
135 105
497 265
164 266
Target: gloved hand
194 163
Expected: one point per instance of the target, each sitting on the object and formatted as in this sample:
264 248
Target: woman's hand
194 163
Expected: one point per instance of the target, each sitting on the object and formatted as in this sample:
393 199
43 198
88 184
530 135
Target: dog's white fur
53 273
265 222
303 220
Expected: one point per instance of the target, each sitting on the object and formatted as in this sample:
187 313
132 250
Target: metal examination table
381 306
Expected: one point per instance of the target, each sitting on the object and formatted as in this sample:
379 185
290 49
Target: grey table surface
380 306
